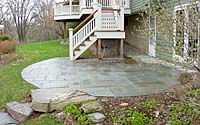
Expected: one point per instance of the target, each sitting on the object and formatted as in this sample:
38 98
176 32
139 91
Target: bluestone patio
115 79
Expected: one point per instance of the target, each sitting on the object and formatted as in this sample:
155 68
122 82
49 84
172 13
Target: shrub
7 46
5 37
185 78
132 60
79 115
184 114
132 118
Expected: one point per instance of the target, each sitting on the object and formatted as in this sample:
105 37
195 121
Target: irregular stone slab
19 111
92 106
48 100
97 117
5 119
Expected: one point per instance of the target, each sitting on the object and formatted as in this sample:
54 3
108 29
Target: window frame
186 34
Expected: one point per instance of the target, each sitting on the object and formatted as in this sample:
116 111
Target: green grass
43 120
12 86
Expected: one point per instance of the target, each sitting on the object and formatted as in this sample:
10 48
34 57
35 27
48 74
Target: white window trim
178 8
152 42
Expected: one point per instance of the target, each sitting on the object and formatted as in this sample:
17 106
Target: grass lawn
12 86
43 120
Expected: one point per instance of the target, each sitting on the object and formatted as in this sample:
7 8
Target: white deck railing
83 33
62 9
106 3
110 22
67 10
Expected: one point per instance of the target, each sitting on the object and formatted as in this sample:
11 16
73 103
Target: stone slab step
19 111
6 119
91 106
48 100
97 117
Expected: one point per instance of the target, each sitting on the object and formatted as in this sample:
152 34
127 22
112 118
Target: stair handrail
84 22
82 34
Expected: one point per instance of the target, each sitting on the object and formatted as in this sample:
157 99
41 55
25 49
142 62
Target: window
187 31
193 33
180 32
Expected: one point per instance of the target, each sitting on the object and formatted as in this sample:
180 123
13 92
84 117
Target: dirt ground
8 58
174 108
157 107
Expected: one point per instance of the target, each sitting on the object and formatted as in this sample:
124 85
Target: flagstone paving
115 79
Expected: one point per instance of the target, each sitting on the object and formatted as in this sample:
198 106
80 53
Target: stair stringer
88 44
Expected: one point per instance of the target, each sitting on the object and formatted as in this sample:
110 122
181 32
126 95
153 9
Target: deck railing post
70 6
122 18
98 18
71 46
83 4
128 3
95 5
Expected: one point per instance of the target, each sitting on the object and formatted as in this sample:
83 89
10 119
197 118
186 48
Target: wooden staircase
87 33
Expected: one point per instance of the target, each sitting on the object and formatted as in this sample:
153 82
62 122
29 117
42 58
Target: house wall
138 5
135 33
164 49
164 46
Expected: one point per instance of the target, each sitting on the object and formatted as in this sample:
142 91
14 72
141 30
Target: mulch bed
130 61
159 112
181 108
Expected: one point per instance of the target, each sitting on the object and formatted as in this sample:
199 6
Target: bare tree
22 13
45 19
3 11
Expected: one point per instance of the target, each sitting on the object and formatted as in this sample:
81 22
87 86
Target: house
117 20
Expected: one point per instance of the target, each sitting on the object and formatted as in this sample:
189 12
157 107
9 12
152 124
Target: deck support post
118 47
121 48
71 48
65 30
99 48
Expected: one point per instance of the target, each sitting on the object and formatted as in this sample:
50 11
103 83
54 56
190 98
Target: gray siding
138 5
141 5
164 49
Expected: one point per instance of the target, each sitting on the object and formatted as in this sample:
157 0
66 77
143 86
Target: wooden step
87 41
82 44
110 10
77 49
93 36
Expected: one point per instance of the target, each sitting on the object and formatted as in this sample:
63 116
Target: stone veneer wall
135 33
136 37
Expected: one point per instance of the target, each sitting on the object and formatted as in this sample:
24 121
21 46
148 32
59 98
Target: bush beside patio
7 44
